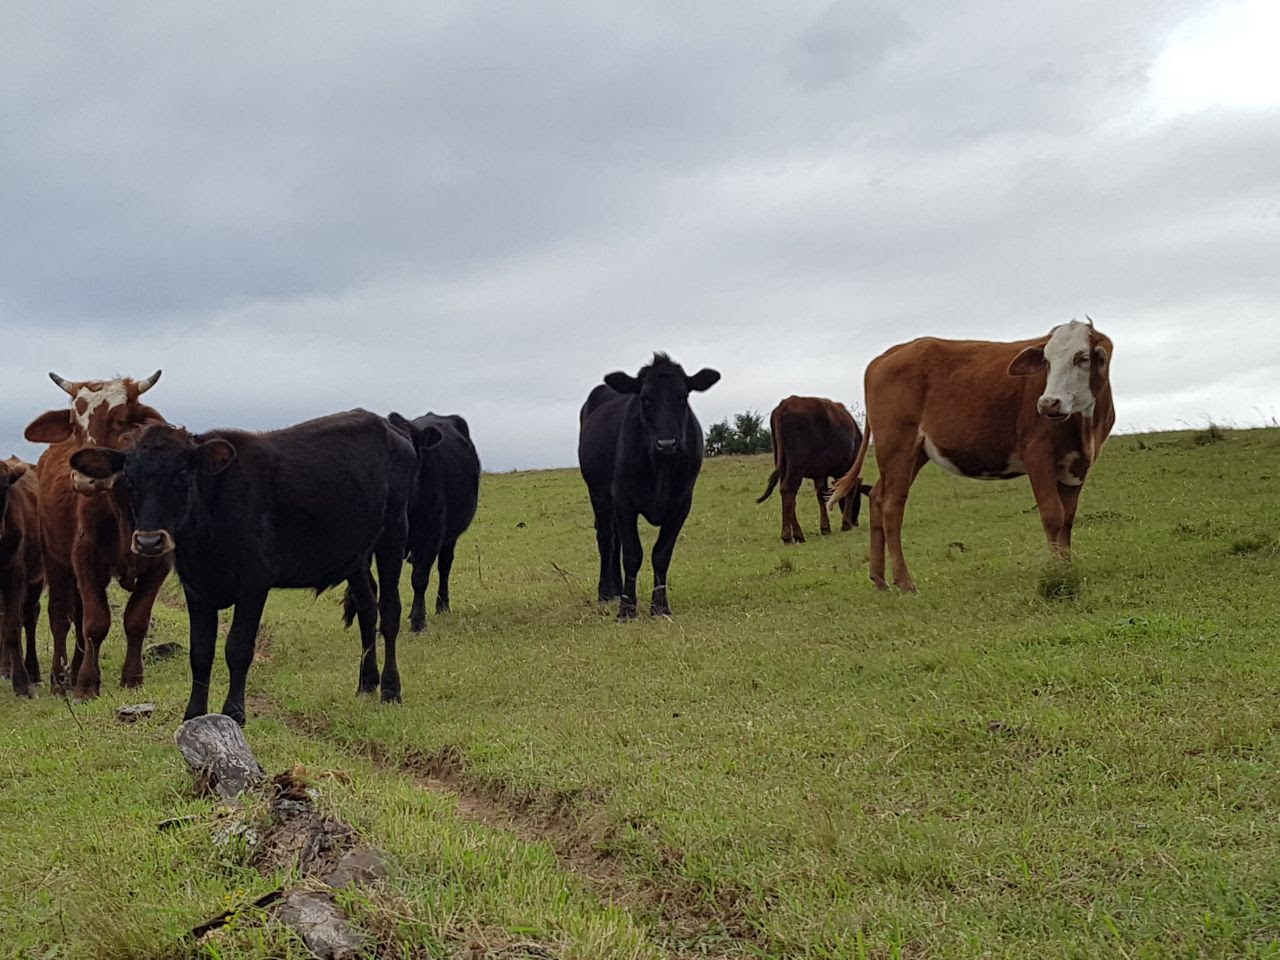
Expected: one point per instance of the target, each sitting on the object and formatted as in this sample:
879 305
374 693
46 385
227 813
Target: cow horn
147 384
1089 318
64 384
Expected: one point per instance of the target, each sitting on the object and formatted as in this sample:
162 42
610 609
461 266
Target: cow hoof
627 611
879 583
85 694
826 532
235 714
417 626
661 612
442 607
24 691
846 527
365 690
391 695
131 683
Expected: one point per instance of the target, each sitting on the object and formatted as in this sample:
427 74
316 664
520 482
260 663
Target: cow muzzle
1051 407
666 447
152 543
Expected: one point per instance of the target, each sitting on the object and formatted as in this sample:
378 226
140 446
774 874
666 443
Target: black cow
306 506
640 450
443 506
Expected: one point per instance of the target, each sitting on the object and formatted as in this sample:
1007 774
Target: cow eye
1081 359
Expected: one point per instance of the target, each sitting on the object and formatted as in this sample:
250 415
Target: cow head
422 438
11 471
155 477
1078 359
663 388
102 411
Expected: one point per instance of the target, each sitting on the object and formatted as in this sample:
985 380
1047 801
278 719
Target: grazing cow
443 506
80 530
306 506
21 573
988 410
813 438
640 450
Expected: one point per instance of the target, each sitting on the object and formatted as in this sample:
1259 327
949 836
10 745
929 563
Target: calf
813 438
21 573
640 451
987 410
443 506
81 532
306 506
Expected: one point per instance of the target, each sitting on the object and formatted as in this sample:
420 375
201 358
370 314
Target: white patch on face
112 393
1068 381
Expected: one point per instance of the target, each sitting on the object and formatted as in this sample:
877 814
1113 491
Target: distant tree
747 434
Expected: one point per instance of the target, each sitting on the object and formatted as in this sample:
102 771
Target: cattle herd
121 494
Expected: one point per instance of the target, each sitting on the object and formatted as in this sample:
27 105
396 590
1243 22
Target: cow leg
894 487
30 617
137 621
10 633
1070 497
791 532
97 623
242 638
632 558
366 600
875 554
607 538
444 565
850 507
824 518
390 558
202 619
659 605
1045 486
420 578
62 592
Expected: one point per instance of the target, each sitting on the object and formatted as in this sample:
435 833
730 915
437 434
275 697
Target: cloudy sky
295 208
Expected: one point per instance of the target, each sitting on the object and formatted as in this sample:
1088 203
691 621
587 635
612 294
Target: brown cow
81 530
21 573
988 410
813 438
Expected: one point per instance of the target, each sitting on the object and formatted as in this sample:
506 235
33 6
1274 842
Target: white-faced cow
80 531
987 410
306 506
816 439
640 451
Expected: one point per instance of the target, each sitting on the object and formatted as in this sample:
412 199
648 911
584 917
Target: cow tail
779 466
348 608
849 482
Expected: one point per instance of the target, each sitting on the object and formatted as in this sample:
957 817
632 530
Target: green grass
1019 759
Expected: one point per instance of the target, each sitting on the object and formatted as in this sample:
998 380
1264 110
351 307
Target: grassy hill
795 766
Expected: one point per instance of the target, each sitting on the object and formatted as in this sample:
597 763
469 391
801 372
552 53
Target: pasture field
795 766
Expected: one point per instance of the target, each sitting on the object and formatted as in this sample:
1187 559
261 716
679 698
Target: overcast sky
296 208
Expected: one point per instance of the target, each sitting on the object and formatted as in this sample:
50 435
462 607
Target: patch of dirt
687 915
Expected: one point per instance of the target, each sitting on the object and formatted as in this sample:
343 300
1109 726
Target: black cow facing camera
640 450
306 506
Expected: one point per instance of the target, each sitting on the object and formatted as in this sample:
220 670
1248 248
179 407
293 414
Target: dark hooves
391 696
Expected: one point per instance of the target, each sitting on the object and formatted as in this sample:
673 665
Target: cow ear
51 427
99 463
865 489
704 379
18 469
622 382
428 437
213 456
1027 362
1100 357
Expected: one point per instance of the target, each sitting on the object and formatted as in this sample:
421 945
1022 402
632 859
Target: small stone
161 651
134 712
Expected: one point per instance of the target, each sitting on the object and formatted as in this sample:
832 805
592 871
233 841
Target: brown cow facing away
987 410
813 439
21 573
80 526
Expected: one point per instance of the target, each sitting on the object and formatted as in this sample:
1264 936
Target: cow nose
667 446
1050 406
148 543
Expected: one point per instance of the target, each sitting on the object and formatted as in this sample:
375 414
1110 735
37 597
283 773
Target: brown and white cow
815 439
987 410
21 573
81 528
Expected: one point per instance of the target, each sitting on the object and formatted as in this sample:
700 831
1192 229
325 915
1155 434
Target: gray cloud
483 208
